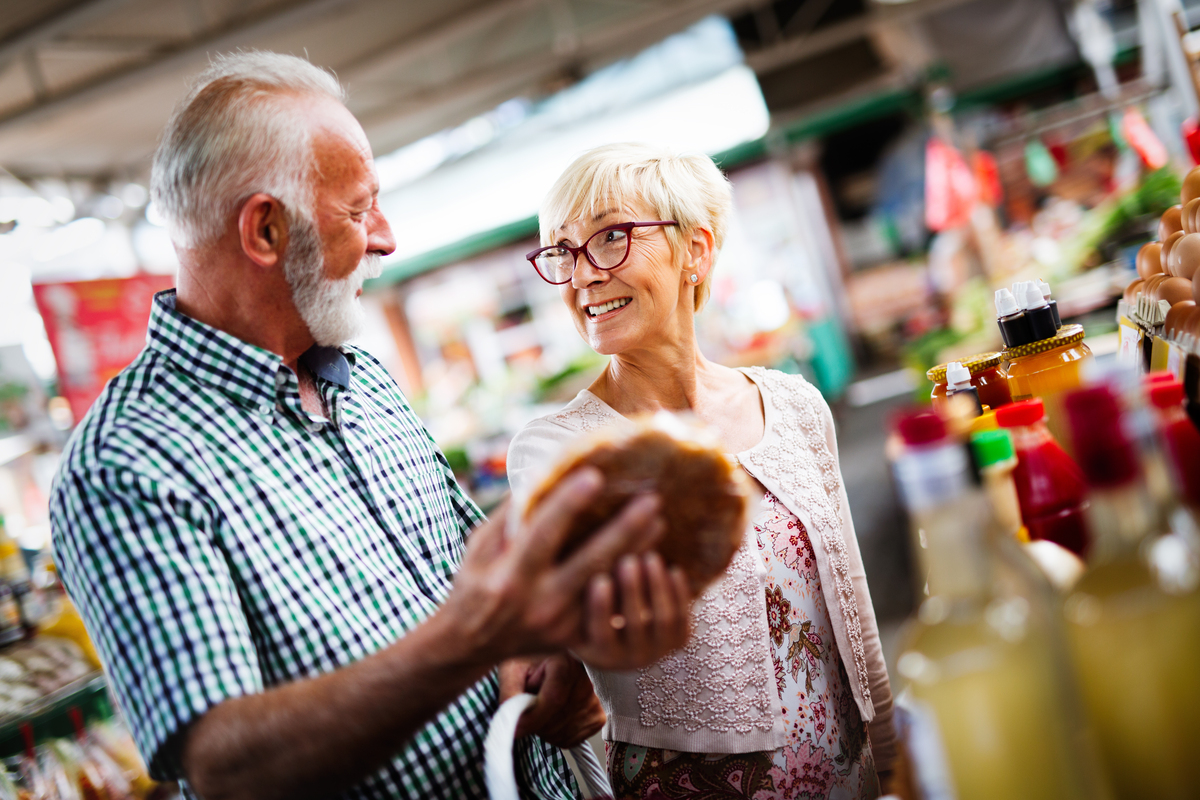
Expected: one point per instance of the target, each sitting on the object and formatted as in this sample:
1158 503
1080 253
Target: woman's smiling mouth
607 308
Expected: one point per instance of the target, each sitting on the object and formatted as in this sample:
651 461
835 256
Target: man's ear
262 230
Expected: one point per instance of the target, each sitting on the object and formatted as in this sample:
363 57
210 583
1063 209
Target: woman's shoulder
787 386
585 413
542 440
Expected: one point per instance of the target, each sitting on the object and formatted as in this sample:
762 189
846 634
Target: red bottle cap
919 427
1015 415
1167 394
1161 376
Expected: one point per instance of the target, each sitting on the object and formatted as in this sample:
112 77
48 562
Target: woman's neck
655 380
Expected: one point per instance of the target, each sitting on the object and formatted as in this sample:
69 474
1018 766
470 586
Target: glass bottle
980 659
1134 618
987 376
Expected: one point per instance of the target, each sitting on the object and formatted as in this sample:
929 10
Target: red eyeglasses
605 249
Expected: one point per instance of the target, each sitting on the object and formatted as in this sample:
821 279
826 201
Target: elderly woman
784 676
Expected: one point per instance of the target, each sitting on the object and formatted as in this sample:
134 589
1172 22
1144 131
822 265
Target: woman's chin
606 345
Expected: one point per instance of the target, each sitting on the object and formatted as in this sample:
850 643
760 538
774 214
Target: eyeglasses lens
608 248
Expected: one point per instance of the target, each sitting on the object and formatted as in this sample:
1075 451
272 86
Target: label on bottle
1175 361
1131 342
918 728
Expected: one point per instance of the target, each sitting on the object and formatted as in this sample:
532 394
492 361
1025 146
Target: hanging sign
96 328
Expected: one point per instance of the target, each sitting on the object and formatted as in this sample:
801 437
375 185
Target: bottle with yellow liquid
980 662
1134 617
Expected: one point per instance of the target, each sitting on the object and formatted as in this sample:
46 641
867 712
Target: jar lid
1067 335
981 362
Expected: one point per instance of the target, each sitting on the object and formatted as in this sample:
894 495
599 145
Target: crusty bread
704 495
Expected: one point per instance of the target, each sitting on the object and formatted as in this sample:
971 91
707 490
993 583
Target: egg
1187 217
1167 245
1149 260
1185 256
1132 290
1150 287
1170 222
1174 290
1173 325
1191 186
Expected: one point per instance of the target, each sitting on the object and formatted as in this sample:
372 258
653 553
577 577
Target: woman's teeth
596 311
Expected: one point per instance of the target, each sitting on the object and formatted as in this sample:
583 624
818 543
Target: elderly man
269 551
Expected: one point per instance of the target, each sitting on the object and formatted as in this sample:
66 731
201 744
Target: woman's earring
694 278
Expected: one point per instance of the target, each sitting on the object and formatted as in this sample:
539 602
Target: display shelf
53 717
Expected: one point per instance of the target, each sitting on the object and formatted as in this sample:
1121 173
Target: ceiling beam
234 34
434 38
840 33
619 41
42 31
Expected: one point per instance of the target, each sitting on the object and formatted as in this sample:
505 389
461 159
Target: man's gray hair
231 136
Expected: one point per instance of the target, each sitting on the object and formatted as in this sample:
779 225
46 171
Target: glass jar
1047 368
987 376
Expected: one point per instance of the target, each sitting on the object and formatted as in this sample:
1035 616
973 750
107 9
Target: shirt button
315 427
265 409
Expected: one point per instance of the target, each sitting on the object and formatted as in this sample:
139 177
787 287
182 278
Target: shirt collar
238 368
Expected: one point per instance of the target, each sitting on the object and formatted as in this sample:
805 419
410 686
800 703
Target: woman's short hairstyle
685 187
232 136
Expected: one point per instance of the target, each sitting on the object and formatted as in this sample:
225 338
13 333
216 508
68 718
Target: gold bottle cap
1067 335
975 364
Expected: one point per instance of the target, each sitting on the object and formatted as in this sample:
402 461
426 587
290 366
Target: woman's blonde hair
685 187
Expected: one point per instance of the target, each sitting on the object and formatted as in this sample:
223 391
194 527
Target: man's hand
566 711
513 596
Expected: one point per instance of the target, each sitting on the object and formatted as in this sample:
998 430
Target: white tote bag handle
498 761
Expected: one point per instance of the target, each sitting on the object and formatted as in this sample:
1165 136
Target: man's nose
380 239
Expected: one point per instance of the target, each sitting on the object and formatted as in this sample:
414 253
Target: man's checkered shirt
219 541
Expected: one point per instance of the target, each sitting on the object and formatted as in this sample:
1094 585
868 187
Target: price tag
1131 345
1175 361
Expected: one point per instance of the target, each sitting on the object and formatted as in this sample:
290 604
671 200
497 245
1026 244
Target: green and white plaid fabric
219 540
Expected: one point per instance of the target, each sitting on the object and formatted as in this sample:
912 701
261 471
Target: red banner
96 328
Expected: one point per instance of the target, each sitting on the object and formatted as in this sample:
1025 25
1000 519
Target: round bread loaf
704 495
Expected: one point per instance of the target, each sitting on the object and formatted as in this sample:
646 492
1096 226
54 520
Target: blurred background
892 164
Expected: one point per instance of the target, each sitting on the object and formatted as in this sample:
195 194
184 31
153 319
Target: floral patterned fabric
827 754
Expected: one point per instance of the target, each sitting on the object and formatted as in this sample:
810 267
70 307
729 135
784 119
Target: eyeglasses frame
575 251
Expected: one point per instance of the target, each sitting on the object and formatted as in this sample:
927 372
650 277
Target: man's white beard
330 308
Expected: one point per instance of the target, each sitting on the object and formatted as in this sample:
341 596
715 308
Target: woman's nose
585 273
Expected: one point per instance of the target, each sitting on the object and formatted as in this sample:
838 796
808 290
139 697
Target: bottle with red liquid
1050 486
1180 439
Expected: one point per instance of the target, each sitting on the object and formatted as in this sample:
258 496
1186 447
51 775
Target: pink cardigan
797 462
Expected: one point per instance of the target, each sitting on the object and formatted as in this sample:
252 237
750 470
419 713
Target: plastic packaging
1045 289
1050 486
1038 314
1014 329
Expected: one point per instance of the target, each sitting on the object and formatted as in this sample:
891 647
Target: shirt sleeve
882 729
157 597
531 455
